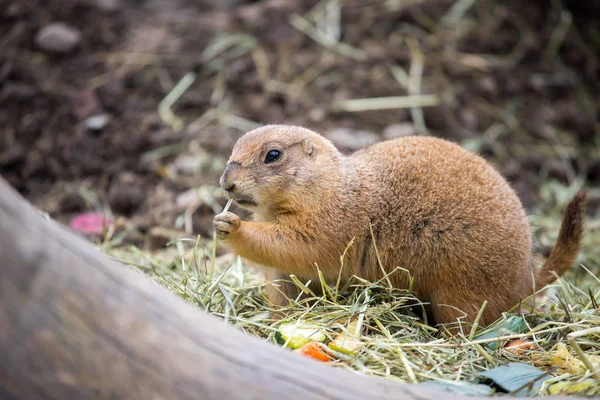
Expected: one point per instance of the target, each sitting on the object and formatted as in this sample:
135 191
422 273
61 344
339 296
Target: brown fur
437 210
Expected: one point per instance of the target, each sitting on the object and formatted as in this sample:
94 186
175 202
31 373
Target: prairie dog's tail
567 246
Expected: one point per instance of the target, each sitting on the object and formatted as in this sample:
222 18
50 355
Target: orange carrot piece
517 346
313 350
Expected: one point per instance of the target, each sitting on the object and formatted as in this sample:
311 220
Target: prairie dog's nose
227 180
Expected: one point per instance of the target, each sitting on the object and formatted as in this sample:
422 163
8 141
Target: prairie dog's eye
272 156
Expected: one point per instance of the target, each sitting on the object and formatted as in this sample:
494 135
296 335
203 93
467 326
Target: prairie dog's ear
308 146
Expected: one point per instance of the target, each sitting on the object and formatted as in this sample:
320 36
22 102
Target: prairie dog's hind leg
281 290
448 309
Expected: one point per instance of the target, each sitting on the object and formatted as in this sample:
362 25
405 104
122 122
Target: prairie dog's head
271 168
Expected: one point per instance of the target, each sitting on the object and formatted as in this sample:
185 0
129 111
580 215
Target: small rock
58 38
351 140
399 130
97 122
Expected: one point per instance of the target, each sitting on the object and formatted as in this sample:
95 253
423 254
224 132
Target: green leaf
466 388
510 326
518 379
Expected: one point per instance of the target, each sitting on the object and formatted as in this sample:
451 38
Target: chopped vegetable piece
585 388
517 346
313 350
560 357
297 335
347 342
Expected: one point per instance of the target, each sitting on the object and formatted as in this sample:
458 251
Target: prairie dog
436 210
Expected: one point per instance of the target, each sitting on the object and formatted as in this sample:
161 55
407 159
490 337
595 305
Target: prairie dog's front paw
225 224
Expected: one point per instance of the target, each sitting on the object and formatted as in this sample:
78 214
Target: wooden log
76 325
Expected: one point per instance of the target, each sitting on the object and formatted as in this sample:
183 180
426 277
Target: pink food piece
89 223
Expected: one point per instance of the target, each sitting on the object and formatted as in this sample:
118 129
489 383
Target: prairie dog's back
438 207
423 173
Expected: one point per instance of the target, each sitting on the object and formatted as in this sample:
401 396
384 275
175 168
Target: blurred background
129 109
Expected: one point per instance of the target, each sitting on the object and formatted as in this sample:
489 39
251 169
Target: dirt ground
80 129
